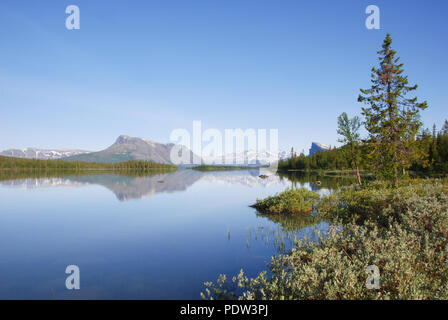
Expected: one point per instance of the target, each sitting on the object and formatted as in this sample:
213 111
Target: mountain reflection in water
127 188
137 187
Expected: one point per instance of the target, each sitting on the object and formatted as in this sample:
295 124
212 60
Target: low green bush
291 201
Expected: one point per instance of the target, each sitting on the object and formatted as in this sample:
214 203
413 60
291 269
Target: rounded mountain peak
123 139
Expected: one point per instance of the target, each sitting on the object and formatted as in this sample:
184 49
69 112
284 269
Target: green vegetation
391 118
348 129
205 167
435 146
396 141
379 202
20 165
332 159
402 230
291 201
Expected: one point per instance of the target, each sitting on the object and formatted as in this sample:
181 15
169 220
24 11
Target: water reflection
127 187
320 183
283 240
130 185
287 230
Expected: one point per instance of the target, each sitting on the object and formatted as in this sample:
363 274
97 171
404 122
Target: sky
145 68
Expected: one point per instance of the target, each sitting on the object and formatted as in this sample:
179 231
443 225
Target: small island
290 201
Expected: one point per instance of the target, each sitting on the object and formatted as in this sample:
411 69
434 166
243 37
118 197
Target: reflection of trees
293 222
327 181
42 174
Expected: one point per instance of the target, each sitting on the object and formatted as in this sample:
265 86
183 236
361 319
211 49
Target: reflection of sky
164 246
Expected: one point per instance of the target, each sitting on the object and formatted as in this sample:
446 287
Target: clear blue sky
144 68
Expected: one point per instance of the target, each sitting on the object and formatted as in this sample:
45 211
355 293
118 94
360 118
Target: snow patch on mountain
43 154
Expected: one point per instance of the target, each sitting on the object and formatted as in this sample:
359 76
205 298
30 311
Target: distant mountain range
125 148
250 157
130 148
44 154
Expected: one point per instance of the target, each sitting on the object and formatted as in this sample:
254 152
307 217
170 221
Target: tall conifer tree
392 119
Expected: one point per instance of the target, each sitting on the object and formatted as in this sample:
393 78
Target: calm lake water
154 237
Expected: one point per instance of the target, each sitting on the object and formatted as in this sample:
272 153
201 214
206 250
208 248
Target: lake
150 237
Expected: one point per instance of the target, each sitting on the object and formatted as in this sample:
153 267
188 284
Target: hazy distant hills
129 148
43 154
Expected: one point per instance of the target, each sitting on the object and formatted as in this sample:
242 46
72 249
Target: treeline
332 159
18 164
435 147
432 144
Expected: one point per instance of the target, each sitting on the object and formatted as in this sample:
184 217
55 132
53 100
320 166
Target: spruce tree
392 119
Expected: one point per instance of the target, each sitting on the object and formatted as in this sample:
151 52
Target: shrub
291 201
408 244
377 201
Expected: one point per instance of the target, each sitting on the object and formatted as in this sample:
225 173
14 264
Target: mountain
249 157
129 148
316 146
43 154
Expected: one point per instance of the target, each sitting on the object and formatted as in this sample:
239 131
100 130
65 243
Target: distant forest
432 144
20 164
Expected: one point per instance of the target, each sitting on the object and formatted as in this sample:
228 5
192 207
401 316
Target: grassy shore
401 230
